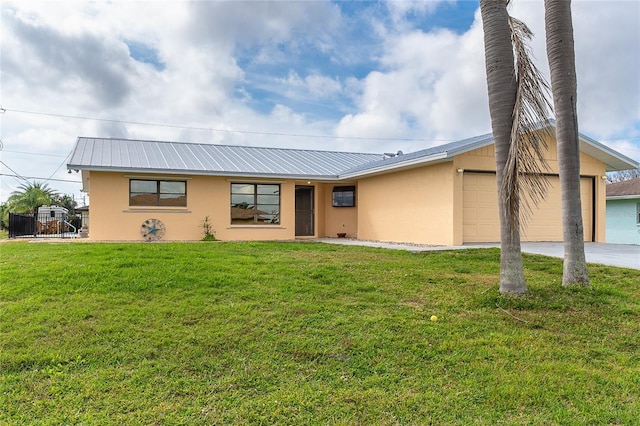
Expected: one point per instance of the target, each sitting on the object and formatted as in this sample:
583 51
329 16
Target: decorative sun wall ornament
152 229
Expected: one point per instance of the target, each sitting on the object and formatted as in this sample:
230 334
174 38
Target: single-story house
623 212
444 195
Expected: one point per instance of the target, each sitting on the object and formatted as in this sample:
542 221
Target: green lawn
306 333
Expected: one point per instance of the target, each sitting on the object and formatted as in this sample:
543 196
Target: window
255 204
344 196
157 193
638 213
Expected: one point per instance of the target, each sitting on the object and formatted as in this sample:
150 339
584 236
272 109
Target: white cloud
607 45
258 22
433 88
314 86
401 11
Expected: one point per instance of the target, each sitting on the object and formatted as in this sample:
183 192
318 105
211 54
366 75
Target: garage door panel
480 211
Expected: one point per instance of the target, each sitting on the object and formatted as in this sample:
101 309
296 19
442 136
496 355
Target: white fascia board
327 178
613 160
624 197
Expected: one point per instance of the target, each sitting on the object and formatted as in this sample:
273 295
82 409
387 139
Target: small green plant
207 227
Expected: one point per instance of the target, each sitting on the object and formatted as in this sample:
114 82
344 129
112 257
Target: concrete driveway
623 255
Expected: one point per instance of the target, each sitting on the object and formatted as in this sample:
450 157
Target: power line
210 129
39 178
36 153
17 175
630 138
58 168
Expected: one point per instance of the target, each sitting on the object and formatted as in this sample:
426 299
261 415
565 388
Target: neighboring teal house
623 212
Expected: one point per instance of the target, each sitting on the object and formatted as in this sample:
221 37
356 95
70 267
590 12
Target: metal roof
436 153
612 159
226 160
191 158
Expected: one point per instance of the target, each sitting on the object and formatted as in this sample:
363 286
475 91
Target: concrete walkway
623 255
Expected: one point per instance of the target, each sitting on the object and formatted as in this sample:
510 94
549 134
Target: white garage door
480 211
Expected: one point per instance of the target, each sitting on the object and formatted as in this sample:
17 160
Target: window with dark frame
344 196
169 193
638 213
255 204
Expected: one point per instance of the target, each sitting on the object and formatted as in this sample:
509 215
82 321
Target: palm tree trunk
501 84
561 55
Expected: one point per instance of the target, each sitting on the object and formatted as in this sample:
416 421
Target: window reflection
255 204
344 196
157 193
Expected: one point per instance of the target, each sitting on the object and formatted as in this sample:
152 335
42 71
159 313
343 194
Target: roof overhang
613 160
181 172
398 165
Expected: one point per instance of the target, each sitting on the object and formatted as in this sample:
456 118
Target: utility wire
36 153
17 175
210 129
58 168
39 178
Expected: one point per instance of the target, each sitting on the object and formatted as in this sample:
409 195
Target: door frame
310 189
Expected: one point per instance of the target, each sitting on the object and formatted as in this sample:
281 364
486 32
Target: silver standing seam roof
125 155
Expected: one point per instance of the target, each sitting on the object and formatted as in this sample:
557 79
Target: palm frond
524 170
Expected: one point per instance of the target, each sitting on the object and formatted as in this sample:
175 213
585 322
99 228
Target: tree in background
517 104
623 175
4 215
66 201
561 56
29 197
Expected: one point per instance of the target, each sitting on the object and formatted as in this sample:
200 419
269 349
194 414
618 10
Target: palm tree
66 201
517 105
29 197
502 86
561 56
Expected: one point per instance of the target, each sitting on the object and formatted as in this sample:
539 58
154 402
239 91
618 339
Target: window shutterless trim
338 196
158 177
158 209
157 194
251 210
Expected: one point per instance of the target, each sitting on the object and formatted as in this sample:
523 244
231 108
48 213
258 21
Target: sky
364 76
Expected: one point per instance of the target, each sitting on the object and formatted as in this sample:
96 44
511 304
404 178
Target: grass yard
306 333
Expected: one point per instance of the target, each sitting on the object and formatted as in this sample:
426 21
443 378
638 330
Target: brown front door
304 211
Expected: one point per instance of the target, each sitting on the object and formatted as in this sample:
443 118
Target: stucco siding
113 219
414 206
622 222
338 219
